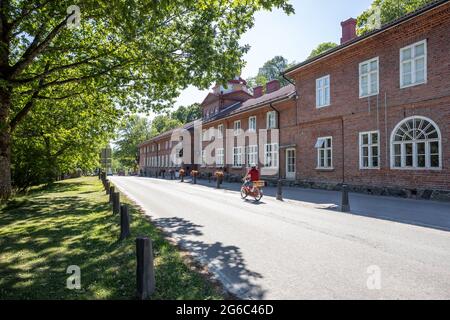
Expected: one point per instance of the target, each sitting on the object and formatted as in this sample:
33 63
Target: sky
293 37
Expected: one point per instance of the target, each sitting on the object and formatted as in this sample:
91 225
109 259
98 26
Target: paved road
288 250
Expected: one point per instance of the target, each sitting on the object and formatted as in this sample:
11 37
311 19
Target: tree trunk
5 144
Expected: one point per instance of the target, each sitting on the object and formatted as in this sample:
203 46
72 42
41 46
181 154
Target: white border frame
377 59
425 42
370 145
441 160
329 88
318 155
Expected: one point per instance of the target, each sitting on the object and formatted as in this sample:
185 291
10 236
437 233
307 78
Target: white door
290 163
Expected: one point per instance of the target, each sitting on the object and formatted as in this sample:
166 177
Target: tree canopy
321 48
271 70
386 11
140 54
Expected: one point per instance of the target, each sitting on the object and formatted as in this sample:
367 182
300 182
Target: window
237 127
368 78
252 124
271 120
219 157
271 155
413 64
237 156
220 131
252 155
323 92
369 150
324 153
416 144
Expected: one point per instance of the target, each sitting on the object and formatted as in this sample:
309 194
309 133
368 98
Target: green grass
71 223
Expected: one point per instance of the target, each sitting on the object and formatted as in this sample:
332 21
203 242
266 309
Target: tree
163 123
271 70
187 114
133 131
140 53
388 10
60 137
321 48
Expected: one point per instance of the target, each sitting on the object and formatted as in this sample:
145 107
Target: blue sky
293 37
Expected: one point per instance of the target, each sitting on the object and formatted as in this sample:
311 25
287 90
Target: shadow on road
226 261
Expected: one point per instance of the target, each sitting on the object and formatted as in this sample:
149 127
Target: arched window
416 144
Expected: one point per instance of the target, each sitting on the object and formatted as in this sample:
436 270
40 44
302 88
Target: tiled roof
385 27
283 93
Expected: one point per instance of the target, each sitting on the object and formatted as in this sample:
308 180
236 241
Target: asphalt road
287 250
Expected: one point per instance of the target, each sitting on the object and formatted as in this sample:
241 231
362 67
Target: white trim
427 153
272 151
237 131
249 121
369 78
268 125
294 173
369 154
413 66
220 131
326 149
324 89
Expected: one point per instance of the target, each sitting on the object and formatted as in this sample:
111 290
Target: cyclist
252 176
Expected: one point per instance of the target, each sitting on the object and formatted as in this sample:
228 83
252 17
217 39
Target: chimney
258 91
348 30
272 86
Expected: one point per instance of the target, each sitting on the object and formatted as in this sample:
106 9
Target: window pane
373 84
364 68
407 67
434 161
373 65
365 151
329 162
406 54
374 138
420 50
397 161
420 76
365 162
365 139
375 151
375 161
434 147
421 148
421 161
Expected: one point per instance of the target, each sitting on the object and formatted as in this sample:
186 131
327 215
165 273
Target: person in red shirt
252 175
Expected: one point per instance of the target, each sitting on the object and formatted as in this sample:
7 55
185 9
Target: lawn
71 223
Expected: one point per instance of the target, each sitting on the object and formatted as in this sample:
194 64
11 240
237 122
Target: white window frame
250 128
237 129
271 120
220 157
370 75
369 145
251 155
220 131
413 64
237 157
323 88
271 149
327 150
414 146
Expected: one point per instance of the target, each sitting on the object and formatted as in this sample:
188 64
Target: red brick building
372 113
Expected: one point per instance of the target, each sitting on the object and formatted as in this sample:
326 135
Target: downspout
279 136
343 150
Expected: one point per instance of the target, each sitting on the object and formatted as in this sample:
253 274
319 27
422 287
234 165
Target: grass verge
71 223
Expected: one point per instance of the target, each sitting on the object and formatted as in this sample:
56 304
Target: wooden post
280 190
145 274
124 222
107 186
116 202
111 192
345 203
194 179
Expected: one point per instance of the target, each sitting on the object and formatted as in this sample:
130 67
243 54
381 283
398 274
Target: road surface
288 250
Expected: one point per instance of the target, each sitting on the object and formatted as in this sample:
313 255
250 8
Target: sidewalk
425 213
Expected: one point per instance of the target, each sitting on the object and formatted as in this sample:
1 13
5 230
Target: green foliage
133 130
60 137
321 48
70 223
187 114
271 70
389 10
163 123
139 54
